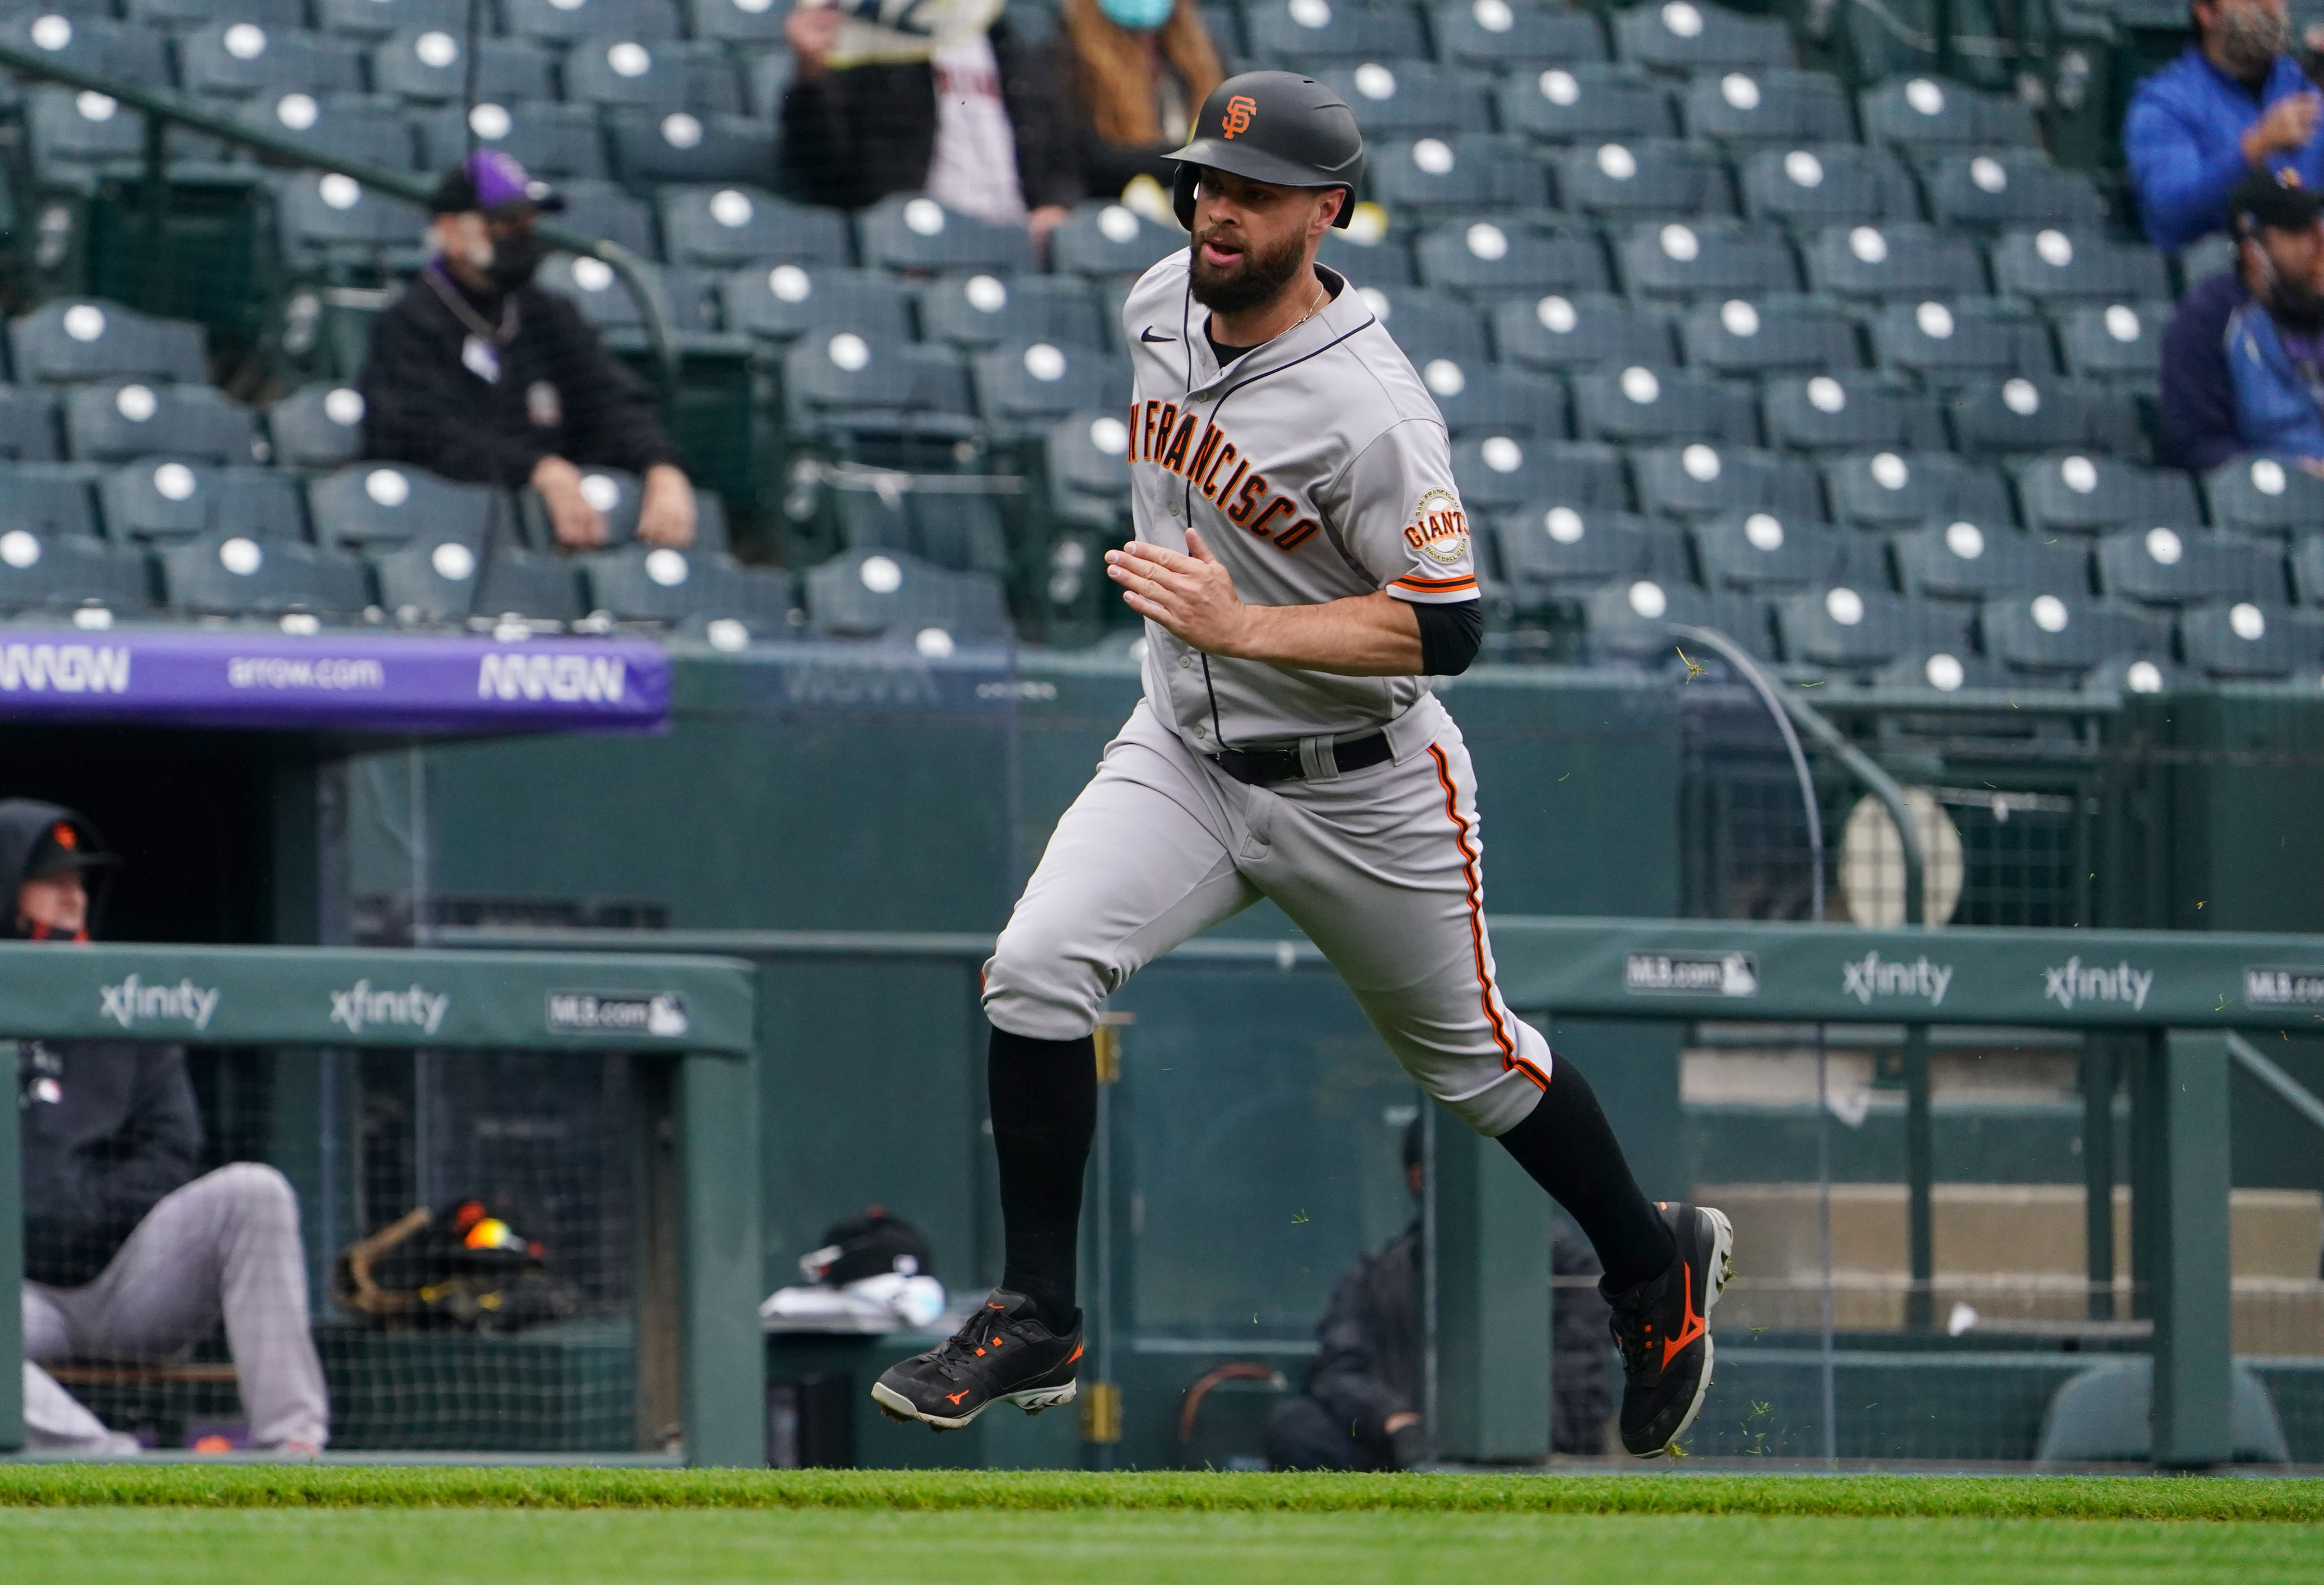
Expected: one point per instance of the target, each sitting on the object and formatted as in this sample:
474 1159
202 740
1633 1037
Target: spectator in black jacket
128 1257
1134 72
955 107
2243 358
479 376
1361 1409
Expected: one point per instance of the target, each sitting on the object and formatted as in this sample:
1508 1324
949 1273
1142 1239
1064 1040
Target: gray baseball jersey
1316 468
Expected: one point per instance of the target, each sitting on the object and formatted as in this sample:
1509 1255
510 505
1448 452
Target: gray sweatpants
1381 868
225 1244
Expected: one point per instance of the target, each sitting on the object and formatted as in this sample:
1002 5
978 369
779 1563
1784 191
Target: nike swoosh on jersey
1147 334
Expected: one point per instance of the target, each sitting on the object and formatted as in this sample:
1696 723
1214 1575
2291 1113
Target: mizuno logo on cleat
1693 1325
953 1397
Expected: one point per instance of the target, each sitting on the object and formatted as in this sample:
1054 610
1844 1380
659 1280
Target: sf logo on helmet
1240 110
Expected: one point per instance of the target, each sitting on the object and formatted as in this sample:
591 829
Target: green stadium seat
2199 262
1497 257
2059 633
1775 109
1967 560
1894 261
28 424
885 594
1587 103
329 227
517 584
2162 565
67 340
1504 35
1765 552
1848 411
347 126
1756 337
2120 342
52 499
1649 177
179 16
725 227
559 142
372 21
318 426
43 571
1481 398
1501 472
1557 333
2087 494
618 70
75 139
919 235
980 311
891 398
1411 98
1108 241
2055 268
167 501
1429 325
788 301
2002 188
1632 622
569 22
1927 116
238 58
1302 34
2308 568
765 81
1639 406
1691 37
113 422
1965 341
1022 387
94 43
1695 479
2264 496
610 211
427 66
233 574
1892 489
1087 465
960 532
1467 170
688 297
1809 187
1944 671
426 581
745 24
657 584
1386 260
2015 416
1850 627
650 148
1710 260
1558 551
369 504
2243 639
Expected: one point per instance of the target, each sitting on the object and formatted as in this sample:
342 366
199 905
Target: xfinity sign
359 1006
2071 982
1872 975
133 1003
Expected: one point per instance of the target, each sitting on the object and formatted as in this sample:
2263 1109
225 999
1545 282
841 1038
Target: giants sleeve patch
1438 535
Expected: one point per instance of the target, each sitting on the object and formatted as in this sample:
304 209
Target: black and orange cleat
1003 1353
1663 1328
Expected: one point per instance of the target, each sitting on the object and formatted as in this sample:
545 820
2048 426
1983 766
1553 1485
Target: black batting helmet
1272 126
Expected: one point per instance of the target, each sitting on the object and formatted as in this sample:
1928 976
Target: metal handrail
2287 1088
167 105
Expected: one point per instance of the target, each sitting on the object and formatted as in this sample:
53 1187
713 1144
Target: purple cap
491 181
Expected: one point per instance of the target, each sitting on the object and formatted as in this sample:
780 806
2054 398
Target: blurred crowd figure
942 97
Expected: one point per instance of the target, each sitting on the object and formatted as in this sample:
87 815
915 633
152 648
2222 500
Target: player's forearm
1364 635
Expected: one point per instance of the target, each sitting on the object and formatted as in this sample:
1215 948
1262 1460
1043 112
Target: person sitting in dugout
477 374
129 1257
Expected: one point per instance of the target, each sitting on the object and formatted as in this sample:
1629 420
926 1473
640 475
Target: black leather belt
1259 767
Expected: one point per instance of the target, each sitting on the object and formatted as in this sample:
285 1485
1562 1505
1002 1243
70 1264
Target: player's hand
579 526
1193 595
2289 123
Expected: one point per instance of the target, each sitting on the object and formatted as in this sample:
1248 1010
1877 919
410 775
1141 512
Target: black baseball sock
1044 1098
1567 1144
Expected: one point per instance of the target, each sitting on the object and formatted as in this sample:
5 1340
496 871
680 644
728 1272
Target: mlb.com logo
591 680
2071 982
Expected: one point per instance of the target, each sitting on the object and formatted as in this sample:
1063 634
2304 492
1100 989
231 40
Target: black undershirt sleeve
1448 636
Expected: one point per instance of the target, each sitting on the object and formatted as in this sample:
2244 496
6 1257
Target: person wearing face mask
1133 72
129 1257
934 96
479 376
2243 359
2235 101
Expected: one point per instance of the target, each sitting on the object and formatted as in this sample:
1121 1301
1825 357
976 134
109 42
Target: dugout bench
689 1023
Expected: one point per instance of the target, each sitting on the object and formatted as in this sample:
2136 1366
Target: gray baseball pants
1381 868
225 1244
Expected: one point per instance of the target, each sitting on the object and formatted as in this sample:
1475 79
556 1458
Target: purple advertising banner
343 682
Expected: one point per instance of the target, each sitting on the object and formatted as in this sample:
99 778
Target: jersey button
1201 730
1185 662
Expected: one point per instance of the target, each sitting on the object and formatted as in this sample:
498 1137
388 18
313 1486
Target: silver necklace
457 302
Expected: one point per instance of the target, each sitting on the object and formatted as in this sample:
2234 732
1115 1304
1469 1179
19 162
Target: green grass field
91 1525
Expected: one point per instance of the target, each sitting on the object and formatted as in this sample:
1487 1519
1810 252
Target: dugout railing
685 1026
2164 1018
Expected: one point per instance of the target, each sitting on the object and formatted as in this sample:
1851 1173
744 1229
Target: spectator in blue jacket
2233 101
2243 361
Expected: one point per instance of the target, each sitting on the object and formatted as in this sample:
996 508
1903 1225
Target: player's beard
1252 282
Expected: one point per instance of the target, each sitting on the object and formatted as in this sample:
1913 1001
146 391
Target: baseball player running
1304 568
